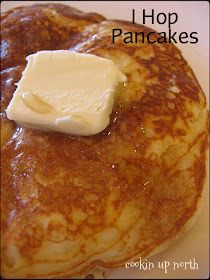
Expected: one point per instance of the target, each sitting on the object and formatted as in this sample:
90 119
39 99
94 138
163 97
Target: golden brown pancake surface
71 203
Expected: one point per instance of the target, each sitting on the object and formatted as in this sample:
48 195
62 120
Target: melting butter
35 103
66 91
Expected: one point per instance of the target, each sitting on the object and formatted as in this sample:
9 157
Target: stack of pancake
72 207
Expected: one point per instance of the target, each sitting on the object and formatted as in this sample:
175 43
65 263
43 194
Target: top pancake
40 27
71 203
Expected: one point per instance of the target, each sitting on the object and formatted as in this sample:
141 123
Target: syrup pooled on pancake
70 204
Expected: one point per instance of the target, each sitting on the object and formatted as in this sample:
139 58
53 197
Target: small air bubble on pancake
171 95
171 105
174 89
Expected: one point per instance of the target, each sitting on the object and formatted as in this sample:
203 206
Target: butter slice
66 91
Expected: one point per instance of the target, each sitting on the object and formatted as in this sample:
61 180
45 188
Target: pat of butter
66 91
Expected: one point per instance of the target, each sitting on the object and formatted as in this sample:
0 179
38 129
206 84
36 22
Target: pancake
72 205
28 30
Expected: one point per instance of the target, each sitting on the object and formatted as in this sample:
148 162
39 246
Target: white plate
193 17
